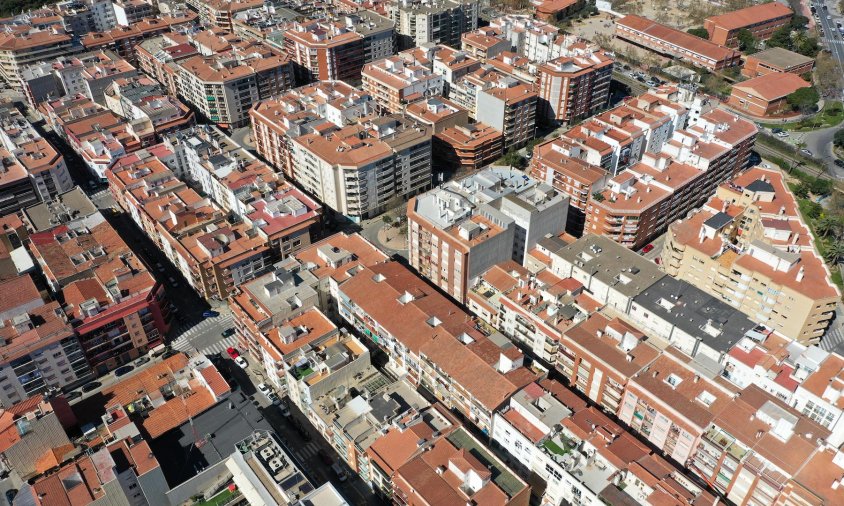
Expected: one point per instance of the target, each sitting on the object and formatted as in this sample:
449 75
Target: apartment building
532 38
394 84
760 20
639 203
692 320
766 95
147 107
277 212
817 381
23 44
458 469
42 167
325 51
753 449
532 309
350 421
123 39
616 139
461 229
129 12
776 60
221 13
263 306
398 444
357 169
117 308
467 148
509 106
451 63
277 121
158 57
674 43
87 74
440 22
378 32
516 66
559 163
573 88
610 273
438 113
40 351
223 86
544 426
757 254
484 43
34 430
333 260
433 342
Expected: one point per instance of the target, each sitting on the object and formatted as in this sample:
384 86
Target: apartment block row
684 369
326 138
111 309
669 153
33 170
270 219
749 246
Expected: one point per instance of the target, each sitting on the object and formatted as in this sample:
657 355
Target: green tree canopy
838 138
804 99
747 42
699 32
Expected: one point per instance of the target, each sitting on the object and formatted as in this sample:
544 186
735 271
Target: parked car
141 361
126 369
228 332
776 130
241 362
273 397
341 474
648 248
839 162
285 411
88 387
806 152
210 314
264 389
72 395
782 134
232 353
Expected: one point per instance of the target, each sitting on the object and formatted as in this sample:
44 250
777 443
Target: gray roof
69 206
719 220
782 58
760 186
626 271
695 310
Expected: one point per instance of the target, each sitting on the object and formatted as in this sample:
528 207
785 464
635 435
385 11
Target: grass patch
811 212
831 115
219 499
553 447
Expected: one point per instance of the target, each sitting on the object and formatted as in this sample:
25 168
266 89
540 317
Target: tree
512 158
838 138
820 186
747 42
834 252
828 75
826 225
387 219
699 32
801 190
780 38
804 100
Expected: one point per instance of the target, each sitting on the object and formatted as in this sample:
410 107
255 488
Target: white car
782 134
241 362
264 389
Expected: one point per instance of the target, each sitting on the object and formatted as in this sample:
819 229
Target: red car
232 352
648 248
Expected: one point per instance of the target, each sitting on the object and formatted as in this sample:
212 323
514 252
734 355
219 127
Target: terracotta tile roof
751 15
16 291
676 37
215 381
771 86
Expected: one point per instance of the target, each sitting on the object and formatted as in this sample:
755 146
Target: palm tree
835 252
826 225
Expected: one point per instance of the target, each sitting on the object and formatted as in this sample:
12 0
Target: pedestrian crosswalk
184 343
307 451
220 346
833 340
